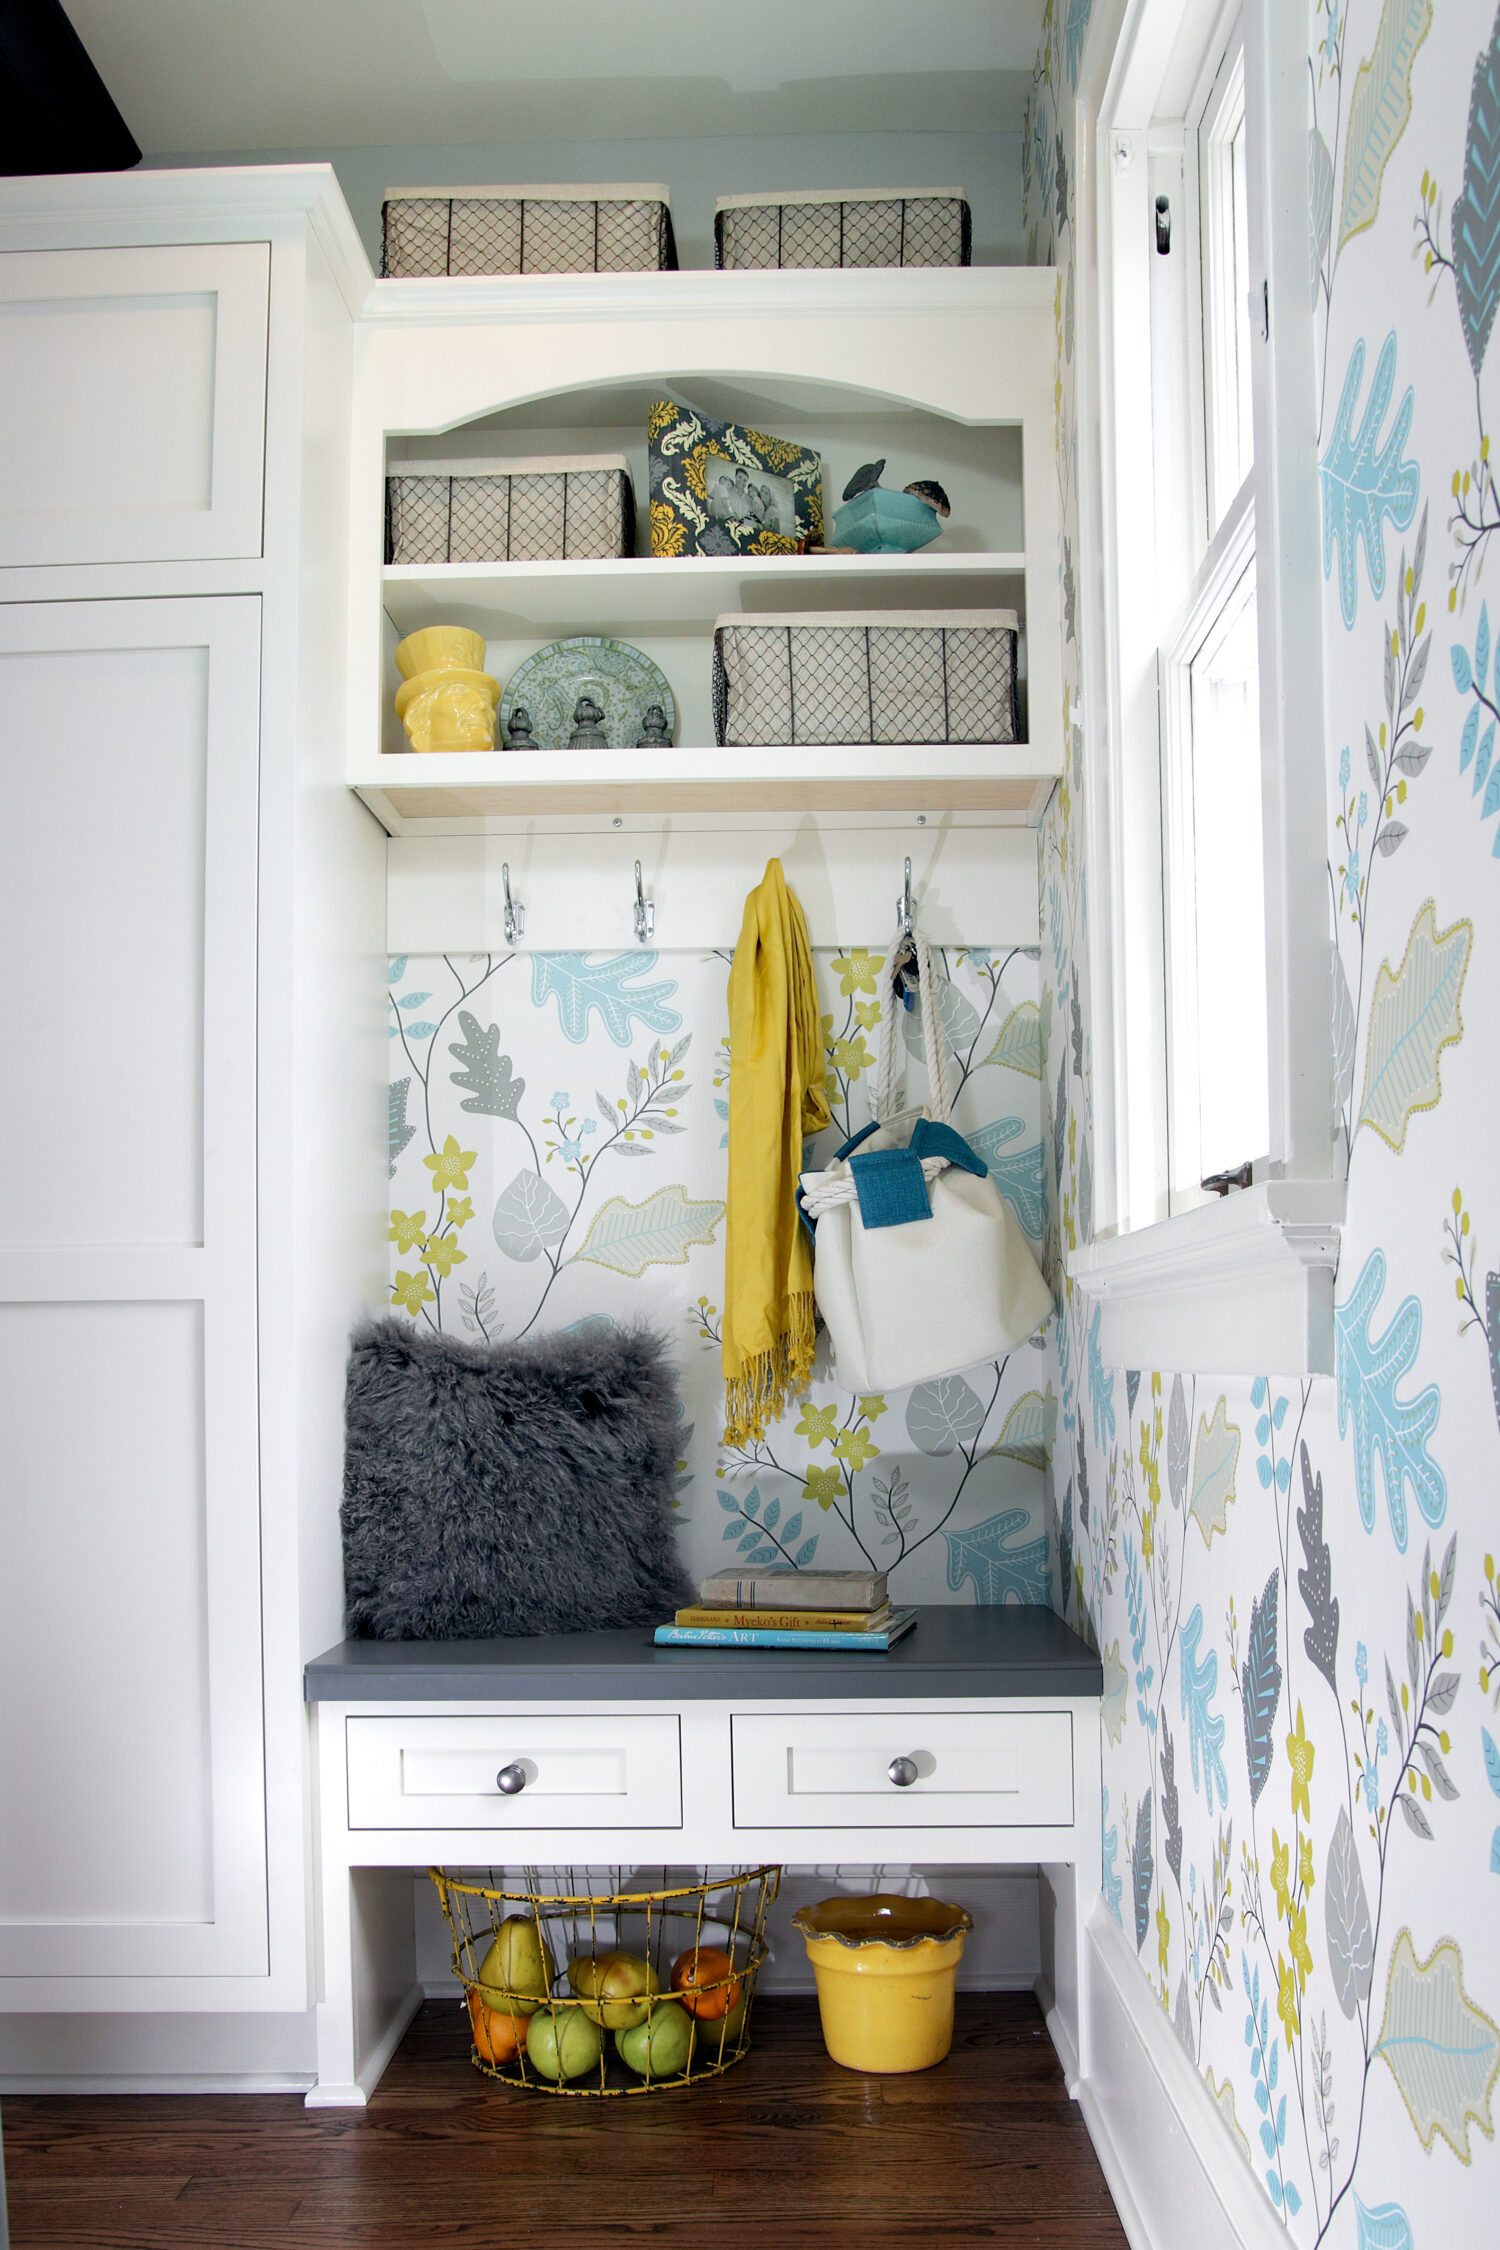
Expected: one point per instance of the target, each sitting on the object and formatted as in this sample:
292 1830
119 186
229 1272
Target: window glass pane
1226 291
1229 921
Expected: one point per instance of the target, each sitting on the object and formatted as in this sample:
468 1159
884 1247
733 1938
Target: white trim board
1177 2179
970 886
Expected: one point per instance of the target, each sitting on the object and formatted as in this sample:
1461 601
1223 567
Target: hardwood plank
787 2145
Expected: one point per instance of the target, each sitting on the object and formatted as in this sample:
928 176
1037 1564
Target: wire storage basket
625 1990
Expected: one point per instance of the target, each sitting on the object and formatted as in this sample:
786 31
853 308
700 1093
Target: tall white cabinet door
132 403
132 1835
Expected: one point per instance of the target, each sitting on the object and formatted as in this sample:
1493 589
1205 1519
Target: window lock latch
1220 1183
1163 226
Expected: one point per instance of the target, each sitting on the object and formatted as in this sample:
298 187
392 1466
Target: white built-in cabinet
208 806
190 913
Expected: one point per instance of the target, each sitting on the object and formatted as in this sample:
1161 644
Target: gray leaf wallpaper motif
558 1157
1322 1865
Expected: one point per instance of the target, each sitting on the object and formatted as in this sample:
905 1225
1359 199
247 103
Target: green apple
661 2046
613 1986
517 1965
563 2043
721 2038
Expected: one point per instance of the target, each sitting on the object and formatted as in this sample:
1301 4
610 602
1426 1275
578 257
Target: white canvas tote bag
908 1299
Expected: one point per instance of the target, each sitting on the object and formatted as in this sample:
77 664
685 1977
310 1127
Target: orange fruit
704 1981
496 2037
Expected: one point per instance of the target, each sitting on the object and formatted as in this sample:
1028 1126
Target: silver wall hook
645 911
903 905
515 916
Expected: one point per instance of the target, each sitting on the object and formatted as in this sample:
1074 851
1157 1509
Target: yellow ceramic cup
440 648
885 1969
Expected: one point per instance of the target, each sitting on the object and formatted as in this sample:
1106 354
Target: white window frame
1242 1285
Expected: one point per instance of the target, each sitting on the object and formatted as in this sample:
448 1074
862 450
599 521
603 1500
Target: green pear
612 1987
662 2046
517 1965
563 2042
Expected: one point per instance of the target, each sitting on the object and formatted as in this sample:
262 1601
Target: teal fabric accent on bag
930 1138
891 1186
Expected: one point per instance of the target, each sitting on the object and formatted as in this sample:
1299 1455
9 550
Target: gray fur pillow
496 1489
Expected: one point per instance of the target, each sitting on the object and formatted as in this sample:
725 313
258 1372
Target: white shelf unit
938 373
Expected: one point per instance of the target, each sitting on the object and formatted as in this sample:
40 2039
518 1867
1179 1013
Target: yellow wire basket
629 1990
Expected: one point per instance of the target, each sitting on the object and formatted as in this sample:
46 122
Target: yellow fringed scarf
777 1075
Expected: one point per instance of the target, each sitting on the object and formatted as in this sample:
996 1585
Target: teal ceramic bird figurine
876 522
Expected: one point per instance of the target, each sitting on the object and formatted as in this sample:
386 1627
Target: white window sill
1240 1287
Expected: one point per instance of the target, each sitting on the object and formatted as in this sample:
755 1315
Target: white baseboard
157 2054
325 2094
171 2082
1179 2179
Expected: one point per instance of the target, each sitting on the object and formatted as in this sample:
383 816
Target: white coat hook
645 912
903 905
515 916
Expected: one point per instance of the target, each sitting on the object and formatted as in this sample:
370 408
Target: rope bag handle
888 1107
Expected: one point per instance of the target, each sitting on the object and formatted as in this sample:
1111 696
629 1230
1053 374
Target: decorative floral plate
586 693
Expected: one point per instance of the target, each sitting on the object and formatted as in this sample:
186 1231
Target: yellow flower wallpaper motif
411 1291
817 1424
460 1210
443 1254
407 1229
450 1167
1301 1753
857 971
855 1448
823 1485
851 1056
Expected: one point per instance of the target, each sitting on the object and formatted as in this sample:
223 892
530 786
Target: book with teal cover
722 1636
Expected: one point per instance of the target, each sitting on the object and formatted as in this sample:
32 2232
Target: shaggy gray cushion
494 1489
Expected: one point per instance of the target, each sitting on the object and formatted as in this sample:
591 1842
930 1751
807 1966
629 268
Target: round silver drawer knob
903 1771
511 1779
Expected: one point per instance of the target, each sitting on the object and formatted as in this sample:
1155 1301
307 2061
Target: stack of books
833 1609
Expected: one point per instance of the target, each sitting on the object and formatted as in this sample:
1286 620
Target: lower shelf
1012 782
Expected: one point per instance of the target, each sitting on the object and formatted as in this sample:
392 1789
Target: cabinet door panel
131 1761
132 403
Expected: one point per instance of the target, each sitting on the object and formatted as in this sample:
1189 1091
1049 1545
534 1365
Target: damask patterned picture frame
720 489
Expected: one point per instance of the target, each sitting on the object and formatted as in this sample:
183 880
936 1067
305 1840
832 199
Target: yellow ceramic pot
449 710
885 1970
440 648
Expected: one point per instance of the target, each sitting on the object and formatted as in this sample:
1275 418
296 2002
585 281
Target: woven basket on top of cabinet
873 227
454 231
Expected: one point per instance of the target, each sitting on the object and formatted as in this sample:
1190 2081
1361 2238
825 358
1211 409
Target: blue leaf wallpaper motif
1364 479
1342 1878
557 1146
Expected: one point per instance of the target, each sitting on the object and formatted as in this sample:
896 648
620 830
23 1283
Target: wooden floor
787 2152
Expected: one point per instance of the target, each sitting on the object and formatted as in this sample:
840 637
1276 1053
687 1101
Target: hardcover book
721 1636
725 1617
796 1589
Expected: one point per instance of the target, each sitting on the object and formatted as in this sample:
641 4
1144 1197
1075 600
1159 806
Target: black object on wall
57 111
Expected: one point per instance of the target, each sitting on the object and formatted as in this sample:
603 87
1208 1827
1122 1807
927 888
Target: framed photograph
720 489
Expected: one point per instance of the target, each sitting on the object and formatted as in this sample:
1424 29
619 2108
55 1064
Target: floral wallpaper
1293 1585
558 1129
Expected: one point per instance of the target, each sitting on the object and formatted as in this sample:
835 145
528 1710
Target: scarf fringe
768 1382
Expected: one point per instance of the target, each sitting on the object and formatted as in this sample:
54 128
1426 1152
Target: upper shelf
460 791
638 594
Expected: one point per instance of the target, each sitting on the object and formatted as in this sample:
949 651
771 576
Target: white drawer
580 1772
975 1769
